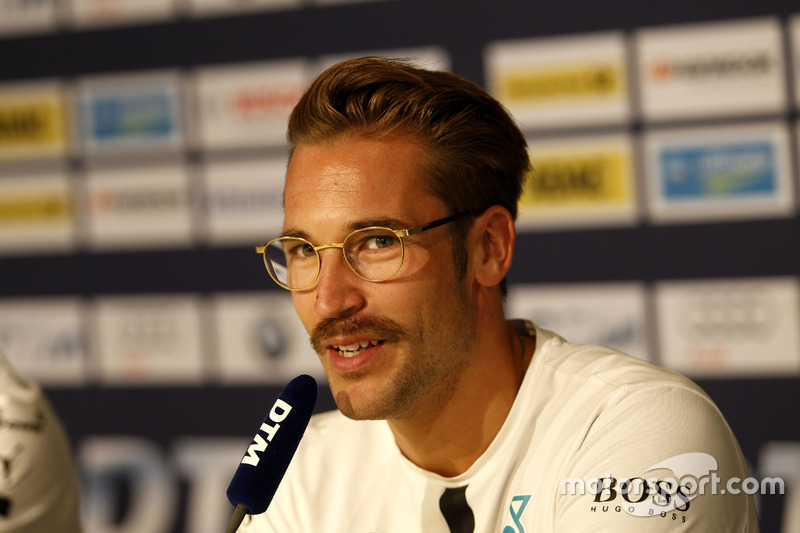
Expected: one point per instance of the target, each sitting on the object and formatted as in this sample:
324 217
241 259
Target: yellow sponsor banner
529 86
32 123
33 208
579 179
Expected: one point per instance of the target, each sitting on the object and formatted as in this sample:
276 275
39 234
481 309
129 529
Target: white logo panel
734 327
612 314
248 105
25 16
261 340
708 70
244 200
138 207
44 339
149 339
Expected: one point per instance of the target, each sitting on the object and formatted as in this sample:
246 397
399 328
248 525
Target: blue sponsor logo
133 116
516 514
722 170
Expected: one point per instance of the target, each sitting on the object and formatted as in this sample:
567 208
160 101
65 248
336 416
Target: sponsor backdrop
142 157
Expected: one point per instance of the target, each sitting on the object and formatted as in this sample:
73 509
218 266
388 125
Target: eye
300 249
379 242
305 250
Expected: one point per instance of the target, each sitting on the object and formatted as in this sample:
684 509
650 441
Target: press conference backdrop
142 156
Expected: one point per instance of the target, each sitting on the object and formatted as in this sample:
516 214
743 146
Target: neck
447 440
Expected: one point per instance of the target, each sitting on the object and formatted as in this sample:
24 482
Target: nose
338 294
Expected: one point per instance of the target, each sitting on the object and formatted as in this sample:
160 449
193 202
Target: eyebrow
391 223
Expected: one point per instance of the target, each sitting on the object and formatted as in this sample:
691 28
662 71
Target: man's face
389 349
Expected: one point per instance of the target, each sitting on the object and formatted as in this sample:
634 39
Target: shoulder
618 396
600 362
621 418
598 377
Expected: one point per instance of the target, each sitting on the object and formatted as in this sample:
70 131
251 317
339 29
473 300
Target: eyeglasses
374 254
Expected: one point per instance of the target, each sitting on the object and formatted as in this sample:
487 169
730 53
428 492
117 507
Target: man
400 200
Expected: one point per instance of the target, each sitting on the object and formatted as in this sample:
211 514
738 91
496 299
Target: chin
357 403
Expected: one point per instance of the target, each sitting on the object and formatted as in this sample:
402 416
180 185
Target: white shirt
582 413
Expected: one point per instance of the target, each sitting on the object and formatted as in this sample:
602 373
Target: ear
492 235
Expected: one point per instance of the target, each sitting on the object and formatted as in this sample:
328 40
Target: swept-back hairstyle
474 155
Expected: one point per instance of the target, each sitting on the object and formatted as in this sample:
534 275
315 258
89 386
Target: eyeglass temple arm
400 233
434 224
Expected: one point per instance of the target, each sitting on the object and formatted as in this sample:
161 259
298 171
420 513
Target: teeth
354 349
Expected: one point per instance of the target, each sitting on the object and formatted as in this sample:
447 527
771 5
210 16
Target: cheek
421 268
304 307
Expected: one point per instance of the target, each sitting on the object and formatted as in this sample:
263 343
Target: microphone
265 462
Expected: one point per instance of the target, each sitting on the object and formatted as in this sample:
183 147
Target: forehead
335 185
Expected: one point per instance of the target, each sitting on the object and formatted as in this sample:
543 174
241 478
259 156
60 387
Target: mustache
376 327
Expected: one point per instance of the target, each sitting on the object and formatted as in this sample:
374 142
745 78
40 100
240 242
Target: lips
353 357
354 343
349 334
356 348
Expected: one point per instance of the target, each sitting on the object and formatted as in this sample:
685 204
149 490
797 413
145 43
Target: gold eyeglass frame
400 233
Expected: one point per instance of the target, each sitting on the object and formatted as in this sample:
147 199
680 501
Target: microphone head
265 462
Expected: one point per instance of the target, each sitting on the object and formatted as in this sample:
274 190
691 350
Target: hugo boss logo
658 496
666 495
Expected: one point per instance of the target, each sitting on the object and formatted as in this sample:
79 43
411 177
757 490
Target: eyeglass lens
375 254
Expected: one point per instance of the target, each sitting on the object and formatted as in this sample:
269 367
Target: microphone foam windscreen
263 465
